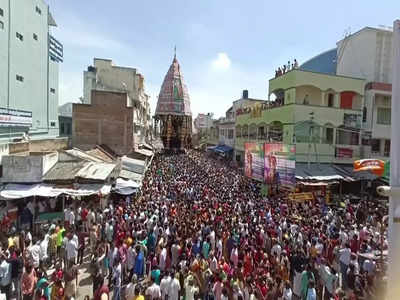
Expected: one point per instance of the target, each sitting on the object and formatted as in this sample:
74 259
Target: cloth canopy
18 191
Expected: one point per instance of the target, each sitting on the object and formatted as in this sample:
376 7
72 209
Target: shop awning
18 191
321 172
223 149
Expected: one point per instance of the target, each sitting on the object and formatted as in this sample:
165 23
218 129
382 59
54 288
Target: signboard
344 153
254 161
14 117
280 164
352 120
301 197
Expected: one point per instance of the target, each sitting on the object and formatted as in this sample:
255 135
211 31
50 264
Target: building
65 119
173 110
227 129
320 113
29 63
105 76
367 54
203 123
107 120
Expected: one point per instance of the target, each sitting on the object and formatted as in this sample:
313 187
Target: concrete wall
48 145
107 120
22 169
109 78
366 54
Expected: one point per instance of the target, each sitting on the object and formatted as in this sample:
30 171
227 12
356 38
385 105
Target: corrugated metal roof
81 154
98 153
145 152
64 171
133 165
131 175
96 171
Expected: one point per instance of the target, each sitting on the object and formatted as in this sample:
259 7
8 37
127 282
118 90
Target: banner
343 152
254 161
280 164
301 197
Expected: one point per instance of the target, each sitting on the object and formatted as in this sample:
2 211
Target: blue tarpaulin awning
223 148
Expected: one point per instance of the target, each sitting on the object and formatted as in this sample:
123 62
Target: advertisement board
254 161
344 152
280 164
14 117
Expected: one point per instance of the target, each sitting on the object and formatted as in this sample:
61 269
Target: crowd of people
201 230
286 68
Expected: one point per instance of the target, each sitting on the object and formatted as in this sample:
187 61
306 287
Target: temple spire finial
175 52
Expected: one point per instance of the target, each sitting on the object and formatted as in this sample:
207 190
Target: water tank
245 94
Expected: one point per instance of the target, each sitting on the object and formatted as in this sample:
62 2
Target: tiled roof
174 97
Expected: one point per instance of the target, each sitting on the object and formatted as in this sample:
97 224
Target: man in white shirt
153 292
165 285
276 250
190 288
43 249
163 259
34 252
174 289
71 249
344 259
130 289
71 218
5 276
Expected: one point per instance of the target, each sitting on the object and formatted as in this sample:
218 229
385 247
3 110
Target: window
330 100
1 12
376 145
35 37
387 148
230 134
19 78
384 116
19 36
53 124
1 25
62 128
329 135
53 91
364 114
38 10
69 129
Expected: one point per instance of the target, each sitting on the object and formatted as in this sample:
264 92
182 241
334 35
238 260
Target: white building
203 122
368 54
29 58
104 76
227 128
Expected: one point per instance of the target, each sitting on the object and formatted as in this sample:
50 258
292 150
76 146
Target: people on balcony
286 68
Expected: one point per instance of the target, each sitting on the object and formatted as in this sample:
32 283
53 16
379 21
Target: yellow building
320 113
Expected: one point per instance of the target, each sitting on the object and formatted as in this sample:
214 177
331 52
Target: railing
56 49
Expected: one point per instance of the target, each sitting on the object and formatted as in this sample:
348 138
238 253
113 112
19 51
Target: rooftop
324 62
